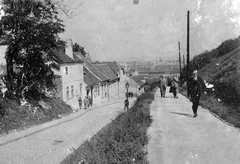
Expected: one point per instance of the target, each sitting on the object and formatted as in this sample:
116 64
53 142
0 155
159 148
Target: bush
121 141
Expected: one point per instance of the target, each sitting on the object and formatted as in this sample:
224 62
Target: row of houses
80 77
102 81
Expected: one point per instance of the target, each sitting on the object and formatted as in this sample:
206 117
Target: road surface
178 138
52 145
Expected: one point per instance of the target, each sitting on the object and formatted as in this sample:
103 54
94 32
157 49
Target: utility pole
183 61
188 13
179 58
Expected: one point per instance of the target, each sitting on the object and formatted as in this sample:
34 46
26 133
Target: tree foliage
78 48
32 28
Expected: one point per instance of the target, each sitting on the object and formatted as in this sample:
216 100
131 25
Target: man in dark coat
196 87
160 85
164 86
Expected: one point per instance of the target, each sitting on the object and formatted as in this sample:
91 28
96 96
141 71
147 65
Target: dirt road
52 145
178 138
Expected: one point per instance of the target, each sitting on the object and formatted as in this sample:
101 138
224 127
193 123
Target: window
72 91
80 89
66 70
67 92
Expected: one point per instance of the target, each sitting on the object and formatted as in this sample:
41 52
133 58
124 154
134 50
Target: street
178 138
52 145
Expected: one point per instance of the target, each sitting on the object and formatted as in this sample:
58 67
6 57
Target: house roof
114 66
65 58
138 79
89 78
77 59
106 70
91 67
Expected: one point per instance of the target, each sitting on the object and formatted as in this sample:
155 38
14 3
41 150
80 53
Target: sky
121 30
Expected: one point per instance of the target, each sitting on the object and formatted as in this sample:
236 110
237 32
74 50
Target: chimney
69 48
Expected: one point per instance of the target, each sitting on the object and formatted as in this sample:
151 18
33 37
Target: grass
227 112
121 141
15 117
224 73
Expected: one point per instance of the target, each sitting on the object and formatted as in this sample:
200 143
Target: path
178 138
52 145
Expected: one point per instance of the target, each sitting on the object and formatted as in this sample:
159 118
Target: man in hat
196 87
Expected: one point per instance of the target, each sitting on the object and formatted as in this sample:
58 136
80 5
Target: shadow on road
184 114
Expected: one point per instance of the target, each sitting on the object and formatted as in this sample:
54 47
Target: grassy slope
224 73
18 117
121 141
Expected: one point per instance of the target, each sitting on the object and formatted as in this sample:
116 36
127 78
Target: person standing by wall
196 87
80 102
86 102
90 101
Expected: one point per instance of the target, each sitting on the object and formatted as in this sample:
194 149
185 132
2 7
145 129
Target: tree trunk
9 63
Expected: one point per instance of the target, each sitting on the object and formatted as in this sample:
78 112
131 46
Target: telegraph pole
179 58
183 61
188 52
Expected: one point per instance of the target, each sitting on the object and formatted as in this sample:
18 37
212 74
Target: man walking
80 102
163 86
196 87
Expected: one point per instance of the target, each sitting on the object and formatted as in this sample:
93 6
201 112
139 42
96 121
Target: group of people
196 87
172 82
87 101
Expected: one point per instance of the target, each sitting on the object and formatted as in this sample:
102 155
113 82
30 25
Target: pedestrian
86 102
80 102
196 87
160 85
175 87
126 104
90 101
164 86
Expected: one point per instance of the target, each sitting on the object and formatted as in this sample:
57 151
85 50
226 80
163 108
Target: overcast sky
120 30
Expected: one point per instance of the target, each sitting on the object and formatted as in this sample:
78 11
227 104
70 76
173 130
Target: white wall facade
114 90
72 82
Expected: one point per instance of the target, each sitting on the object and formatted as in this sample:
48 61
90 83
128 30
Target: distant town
157 67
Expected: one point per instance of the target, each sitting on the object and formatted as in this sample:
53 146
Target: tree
32 28
78 48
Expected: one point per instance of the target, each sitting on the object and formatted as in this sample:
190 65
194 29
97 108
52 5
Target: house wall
72 83
96 93
104 92
113 89
122 82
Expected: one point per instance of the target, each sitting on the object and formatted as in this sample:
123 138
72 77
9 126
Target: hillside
224 73
15 115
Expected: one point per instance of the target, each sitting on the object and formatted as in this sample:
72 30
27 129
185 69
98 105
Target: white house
70 76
